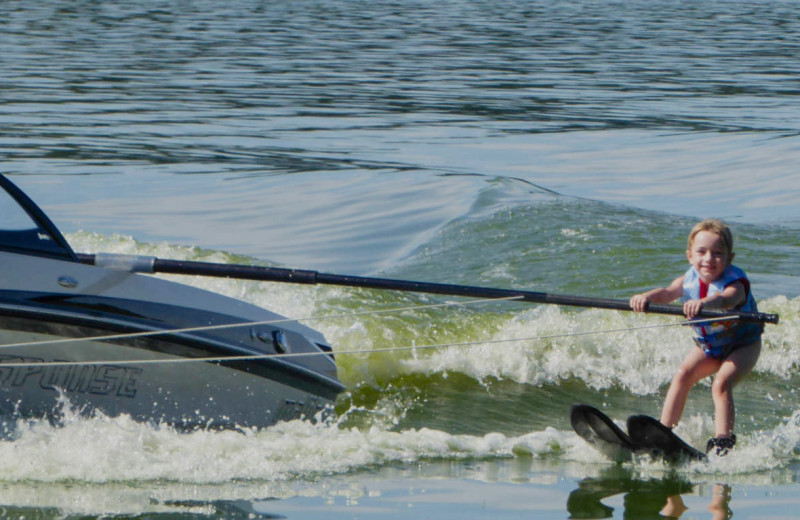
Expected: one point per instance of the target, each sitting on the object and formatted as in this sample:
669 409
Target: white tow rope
251 357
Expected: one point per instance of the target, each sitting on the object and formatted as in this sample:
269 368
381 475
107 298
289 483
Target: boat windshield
21 232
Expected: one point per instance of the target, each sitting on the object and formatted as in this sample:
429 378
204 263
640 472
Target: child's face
708 256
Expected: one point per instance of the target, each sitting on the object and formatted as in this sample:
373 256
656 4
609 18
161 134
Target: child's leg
695 366
737 365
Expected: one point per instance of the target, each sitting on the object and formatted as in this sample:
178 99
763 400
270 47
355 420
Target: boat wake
103 450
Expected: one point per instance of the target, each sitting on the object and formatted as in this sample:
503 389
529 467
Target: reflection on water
445 490
643 499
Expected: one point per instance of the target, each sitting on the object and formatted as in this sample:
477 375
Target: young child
728 349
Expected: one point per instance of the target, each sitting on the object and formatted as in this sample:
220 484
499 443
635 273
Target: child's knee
721 386
681 378
685 377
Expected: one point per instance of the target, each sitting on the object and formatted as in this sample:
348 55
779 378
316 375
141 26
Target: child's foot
722 445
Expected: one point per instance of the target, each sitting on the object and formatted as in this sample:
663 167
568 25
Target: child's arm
667 294
730 297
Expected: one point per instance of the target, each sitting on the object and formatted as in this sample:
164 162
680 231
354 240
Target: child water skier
728 349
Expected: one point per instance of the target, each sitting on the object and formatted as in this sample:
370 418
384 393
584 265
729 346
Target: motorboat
99 335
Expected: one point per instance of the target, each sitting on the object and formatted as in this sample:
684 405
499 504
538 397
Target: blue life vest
720 337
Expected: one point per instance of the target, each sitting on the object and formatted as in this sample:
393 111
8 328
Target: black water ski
599 430
650 436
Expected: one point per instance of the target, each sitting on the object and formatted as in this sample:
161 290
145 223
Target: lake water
560 146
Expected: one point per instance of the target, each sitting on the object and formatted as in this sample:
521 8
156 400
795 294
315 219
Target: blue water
565 146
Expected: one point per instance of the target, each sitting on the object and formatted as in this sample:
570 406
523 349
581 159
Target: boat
99 335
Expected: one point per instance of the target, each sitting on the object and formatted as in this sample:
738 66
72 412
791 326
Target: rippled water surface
565 146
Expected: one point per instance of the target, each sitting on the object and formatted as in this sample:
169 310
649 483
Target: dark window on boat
19 232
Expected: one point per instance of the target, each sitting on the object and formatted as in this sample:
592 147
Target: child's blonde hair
717 227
